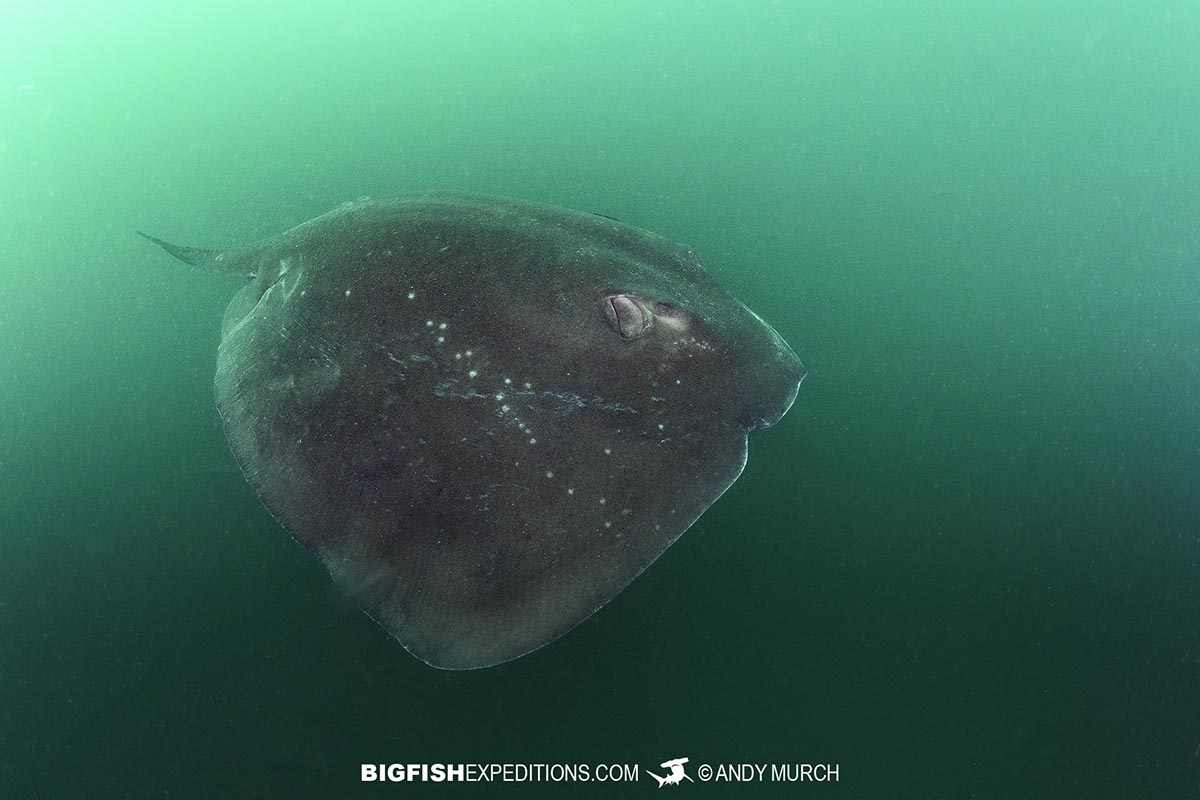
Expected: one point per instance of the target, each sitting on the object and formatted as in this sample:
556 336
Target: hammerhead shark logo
675 776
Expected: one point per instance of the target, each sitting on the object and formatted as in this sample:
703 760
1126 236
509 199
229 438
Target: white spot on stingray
504 408
626 512
500 396
428 323
441 340
303 292
677 381
608 524
469 354
660 426
442 327
533 441
549 473
412 295
347 293
658 527
458 356
508 381
603 500
529 386
608 451
472 374
571 491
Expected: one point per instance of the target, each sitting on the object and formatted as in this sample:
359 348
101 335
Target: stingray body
487 416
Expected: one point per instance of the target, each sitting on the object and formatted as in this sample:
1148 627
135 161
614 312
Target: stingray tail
189 255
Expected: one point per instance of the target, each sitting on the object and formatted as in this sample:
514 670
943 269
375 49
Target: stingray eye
626 315
666 309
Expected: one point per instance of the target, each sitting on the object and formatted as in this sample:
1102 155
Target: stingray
486 416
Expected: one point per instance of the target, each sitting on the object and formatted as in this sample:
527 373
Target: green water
964 566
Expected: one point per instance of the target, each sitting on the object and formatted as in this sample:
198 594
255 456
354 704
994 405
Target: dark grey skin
487 416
